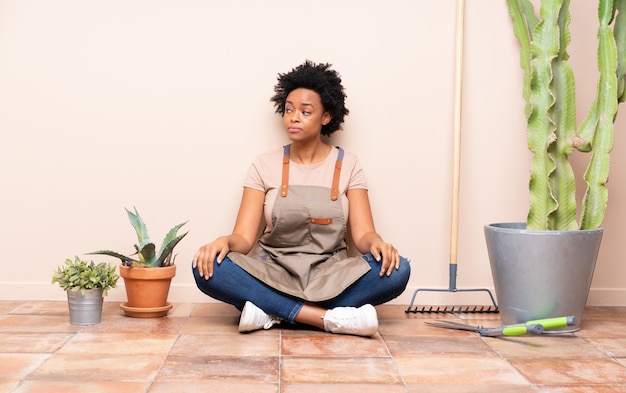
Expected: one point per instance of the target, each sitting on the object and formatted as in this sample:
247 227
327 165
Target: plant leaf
562 180
167 250
619 32
597 173
147 255
524 21
79 275
171 235
140 228
124 258
541 126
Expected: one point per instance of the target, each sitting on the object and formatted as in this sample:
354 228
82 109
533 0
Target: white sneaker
362 321
253 318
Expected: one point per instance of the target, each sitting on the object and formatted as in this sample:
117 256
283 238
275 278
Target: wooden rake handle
456 165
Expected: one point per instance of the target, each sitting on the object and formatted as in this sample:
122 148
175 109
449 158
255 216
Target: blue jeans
231 284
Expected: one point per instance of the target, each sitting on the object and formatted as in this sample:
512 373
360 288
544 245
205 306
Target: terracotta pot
147 290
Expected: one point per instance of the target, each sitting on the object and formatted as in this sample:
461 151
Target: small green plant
80 275
146 250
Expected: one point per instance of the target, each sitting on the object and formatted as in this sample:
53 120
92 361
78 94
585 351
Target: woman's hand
208 253
387 255
241 240
364 235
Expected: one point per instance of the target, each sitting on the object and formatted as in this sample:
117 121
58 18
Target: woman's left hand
387 255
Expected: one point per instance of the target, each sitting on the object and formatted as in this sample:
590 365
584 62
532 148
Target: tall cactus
551 110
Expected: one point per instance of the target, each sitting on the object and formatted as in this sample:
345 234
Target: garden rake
460 5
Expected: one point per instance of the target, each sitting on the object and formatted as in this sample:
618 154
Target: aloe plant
146 255
549 91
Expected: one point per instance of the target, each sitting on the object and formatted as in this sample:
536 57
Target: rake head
493 308
452 309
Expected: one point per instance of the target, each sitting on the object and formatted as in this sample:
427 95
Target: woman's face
304 115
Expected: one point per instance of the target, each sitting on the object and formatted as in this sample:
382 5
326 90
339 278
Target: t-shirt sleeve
253 178
357 176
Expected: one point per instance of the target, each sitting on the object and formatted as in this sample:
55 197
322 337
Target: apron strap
285 180
334 190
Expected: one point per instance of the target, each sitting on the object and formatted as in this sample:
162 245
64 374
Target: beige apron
305 255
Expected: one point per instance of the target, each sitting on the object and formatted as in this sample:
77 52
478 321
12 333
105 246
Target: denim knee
201 282
400 275
404 271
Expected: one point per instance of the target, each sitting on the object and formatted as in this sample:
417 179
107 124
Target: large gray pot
85 309
541 274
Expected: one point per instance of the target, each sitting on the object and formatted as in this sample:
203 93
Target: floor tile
211 386
435 346
213 325
37 324
8 386
124 324
612 347
333 345
119 343
6 306
392 311
300 330
566 346
181 310
249 369
113 309
19 365
215 310
82 387
583 389
418 327
595 312
470 388
177 310
604 327
98 368
457 370
15 342
570 371
197 347
343 388
339 370
43 308
217 345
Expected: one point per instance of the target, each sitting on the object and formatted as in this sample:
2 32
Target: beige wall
163 104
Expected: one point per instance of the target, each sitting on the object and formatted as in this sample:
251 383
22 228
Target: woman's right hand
241 240
207 254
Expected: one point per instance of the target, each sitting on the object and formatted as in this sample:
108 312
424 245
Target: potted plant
543 268
85 284
147 273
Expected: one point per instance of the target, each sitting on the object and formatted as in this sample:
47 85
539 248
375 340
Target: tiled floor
197 348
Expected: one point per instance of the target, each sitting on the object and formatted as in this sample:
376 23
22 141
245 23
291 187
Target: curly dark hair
321 79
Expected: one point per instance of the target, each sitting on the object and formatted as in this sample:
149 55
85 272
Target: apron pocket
291 227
